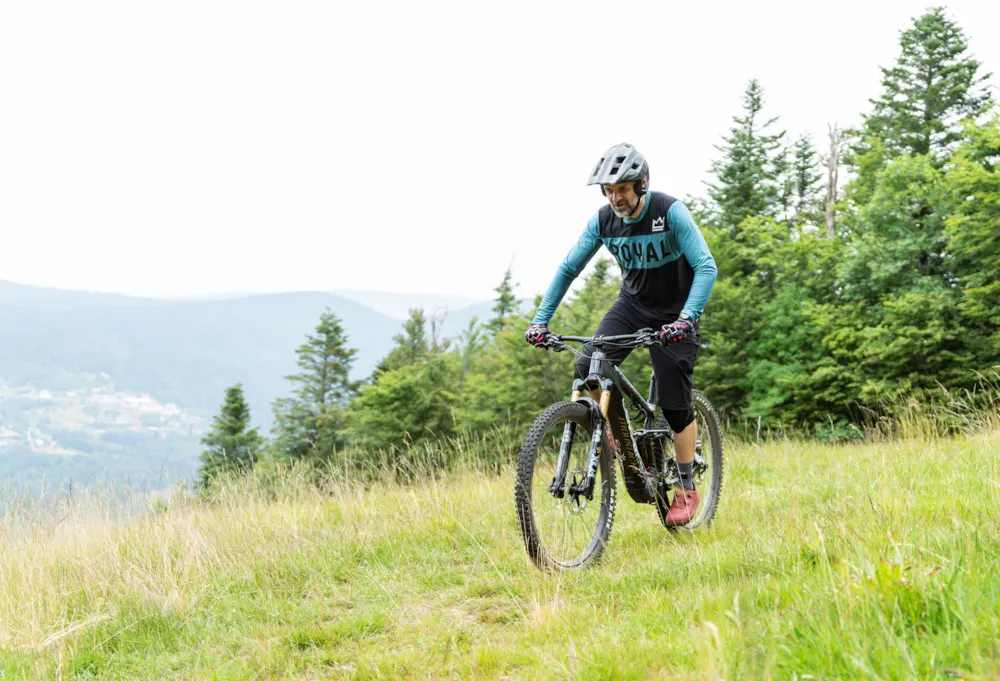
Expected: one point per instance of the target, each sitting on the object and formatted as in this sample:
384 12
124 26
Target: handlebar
641 338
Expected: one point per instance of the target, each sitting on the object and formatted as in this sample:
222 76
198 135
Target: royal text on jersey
644 251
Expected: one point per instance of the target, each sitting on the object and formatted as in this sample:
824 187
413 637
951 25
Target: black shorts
673 365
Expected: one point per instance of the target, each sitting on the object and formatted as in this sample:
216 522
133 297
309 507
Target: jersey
665 262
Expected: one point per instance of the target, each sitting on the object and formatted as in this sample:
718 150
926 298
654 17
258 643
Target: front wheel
562 528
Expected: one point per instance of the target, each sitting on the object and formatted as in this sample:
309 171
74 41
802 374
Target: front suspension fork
586 486
558 485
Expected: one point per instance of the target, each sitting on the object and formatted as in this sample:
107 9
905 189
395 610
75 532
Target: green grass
877 561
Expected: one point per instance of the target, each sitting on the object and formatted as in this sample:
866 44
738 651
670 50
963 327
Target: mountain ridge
176 352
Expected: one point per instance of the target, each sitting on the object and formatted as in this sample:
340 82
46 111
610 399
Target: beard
625 210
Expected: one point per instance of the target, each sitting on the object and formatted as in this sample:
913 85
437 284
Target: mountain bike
565 491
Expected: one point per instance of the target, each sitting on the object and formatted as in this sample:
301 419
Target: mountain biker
667 276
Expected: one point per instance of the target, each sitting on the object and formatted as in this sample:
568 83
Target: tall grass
922 414
937 413
879 560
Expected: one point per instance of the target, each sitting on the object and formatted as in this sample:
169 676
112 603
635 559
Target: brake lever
554 345
648 337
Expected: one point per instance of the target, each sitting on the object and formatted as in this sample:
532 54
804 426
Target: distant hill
185 352
83 347
76 348
22 295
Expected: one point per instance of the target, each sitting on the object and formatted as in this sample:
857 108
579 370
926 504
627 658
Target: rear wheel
561 527
708 463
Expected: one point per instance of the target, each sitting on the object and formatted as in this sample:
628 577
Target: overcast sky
188 148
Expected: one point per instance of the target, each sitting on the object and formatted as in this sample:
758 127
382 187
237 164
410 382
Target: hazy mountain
23 295
177 352
185 352
163 366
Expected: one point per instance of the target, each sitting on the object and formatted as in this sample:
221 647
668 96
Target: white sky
187 148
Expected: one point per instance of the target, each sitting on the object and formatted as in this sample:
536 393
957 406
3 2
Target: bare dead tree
832 168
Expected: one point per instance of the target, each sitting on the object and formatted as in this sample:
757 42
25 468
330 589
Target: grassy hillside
879 561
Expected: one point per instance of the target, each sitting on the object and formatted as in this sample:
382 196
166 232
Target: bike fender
595 409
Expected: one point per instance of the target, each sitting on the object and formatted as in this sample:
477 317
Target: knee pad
679 419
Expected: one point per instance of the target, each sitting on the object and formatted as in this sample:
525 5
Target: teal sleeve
695 249
586 246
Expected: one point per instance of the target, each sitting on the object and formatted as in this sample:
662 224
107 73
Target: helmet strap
638 188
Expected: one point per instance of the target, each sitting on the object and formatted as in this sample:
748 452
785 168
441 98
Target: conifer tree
933 86
231 445
784 199
505 302
746 175
309 424
411 345
806 179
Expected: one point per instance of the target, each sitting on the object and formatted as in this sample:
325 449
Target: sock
686 471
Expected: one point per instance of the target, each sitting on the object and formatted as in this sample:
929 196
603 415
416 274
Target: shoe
683 508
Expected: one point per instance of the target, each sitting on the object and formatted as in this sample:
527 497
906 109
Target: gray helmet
621 163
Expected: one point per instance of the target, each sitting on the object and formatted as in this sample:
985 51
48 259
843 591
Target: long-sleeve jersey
665 262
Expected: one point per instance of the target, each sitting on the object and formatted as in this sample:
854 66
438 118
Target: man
667 276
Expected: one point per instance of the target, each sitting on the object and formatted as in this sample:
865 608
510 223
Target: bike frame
610 418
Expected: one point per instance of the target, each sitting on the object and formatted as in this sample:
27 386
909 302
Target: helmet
621 163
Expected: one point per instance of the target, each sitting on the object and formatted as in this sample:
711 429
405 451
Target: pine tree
746 177
806 179
407 405
470 345
506 301
231 445
416 343
784 198
410 346
933 86
972 187
309 425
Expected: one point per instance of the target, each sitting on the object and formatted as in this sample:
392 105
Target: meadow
875 560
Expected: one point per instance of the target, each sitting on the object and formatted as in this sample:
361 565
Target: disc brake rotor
576 500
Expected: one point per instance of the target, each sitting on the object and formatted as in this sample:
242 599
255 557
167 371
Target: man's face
622 197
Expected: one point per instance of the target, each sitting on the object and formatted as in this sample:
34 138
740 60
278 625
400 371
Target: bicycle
567 458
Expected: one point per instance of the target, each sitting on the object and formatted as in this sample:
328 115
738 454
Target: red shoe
683 508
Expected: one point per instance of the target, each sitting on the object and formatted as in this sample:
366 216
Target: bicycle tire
708 419
605 494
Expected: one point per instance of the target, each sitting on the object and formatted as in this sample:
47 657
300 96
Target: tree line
833 298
